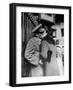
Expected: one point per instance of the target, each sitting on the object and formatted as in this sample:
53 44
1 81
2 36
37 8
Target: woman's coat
51 66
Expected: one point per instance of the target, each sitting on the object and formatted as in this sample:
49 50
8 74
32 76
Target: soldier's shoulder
32 39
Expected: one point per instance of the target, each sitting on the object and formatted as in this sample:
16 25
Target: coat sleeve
31 52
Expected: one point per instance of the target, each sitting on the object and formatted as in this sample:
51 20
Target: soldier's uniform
32 54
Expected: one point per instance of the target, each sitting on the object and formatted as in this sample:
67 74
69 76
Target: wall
4 44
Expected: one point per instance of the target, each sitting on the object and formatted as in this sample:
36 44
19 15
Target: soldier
32 51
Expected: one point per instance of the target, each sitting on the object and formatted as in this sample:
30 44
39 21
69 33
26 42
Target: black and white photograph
40 40
42 44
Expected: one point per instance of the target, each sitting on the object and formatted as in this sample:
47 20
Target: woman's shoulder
47 44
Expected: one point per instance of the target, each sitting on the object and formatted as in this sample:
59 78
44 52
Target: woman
48 52
32 52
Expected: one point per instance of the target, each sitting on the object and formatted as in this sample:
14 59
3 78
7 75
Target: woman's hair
49 39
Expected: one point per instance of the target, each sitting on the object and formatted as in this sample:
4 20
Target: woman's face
43 33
